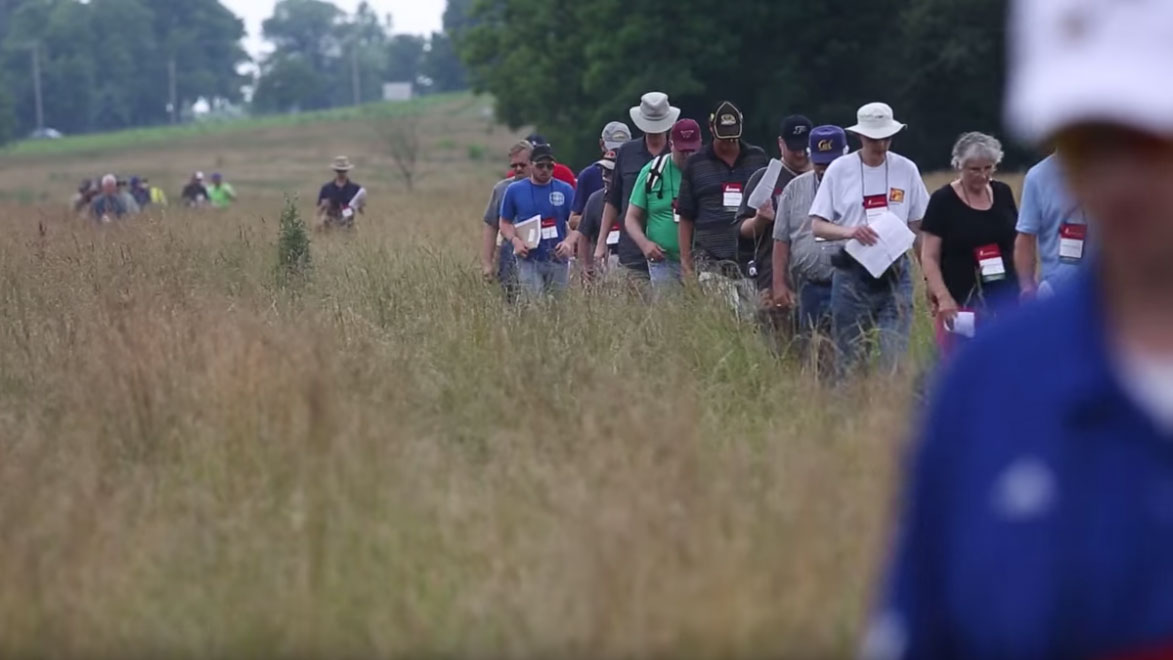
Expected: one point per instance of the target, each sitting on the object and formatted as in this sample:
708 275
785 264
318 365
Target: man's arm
783 296
1026 262
488 249
684 232
752 223
610 213
918 242
575 220
634 222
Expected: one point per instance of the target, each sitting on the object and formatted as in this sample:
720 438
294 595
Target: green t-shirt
661 222
221 196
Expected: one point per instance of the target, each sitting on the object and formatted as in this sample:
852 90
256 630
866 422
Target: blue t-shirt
590 179
1046 207
1038 517
551 202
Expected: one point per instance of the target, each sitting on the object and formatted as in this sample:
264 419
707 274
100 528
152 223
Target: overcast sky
408 16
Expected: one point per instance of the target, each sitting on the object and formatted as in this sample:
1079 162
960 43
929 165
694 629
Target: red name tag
549 229
989 258
731 195
1071 240
1074 232
875 202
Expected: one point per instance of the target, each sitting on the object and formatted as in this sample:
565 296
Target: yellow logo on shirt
896 196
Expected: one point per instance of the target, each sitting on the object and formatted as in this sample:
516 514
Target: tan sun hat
342 164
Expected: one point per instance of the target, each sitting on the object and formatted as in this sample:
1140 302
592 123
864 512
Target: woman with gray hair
968 245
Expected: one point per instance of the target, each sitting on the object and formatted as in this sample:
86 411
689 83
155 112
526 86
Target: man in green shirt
653 199
220 194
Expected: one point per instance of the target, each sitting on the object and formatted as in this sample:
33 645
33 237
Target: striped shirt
702 199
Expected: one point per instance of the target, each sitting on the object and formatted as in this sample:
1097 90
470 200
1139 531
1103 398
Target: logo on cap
728 120
800 130
686 133
825 145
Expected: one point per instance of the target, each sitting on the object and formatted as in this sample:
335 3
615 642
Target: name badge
875 205
613 235
675 213
1071 240
549 229
989 258
732 195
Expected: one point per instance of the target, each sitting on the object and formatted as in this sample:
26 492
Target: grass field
386 461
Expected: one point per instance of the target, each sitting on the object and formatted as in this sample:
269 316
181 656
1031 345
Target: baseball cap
686 135
827 143
727 122
615 134
542 152
795 132
607 162
1074 62
536 139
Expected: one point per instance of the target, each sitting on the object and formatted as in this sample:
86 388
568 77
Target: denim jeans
539 278
507 272
861 304
814 307
665 276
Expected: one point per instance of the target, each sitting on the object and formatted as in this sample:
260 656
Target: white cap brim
650 126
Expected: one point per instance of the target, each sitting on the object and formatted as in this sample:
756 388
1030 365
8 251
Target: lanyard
863 183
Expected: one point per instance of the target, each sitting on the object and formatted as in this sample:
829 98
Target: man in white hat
339 200
856 191
1039 517
655 116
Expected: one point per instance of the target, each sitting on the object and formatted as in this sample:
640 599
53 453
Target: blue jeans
539 278
814 307
507 271
861 304
665 276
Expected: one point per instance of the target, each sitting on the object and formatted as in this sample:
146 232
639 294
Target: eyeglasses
518 166
544 166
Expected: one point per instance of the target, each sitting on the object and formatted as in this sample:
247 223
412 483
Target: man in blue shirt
1049 223
543 203
1038 522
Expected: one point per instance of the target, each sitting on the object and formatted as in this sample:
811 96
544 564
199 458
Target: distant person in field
1038 517
561 172
543 269
1052 231
497 260
757 225
158 197
802 268
651 220
339 200
712 187
86 192
856 191
141 194
590 179
194 194
220 193
967 251
109 204
654 116
132 207
592 219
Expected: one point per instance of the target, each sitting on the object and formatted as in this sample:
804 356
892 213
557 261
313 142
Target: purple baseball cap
827 144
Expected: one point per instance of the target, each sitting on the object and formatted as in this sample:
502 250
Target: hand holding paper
764 191
894 239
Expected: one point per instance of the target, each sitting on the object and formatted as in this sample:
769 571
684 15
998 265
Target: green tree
405 53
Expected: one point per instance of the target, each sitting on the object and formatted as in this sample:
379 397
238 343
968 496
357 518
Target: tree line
568 68
111 64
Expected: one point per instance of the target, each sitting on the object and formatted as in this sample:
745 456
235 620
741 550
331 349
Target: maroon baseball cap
686 135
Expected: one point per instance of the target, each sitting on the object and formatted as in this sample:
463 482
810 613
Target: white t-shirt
1148 380
848 180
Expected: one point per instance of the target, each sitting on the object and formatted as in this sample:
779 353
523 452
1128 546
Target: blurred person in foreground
194 194
341 199
967 243
496 254
651 219
109 204
590 179
1038 520
544 269
855 192
712 187
655 115
802 263
592 221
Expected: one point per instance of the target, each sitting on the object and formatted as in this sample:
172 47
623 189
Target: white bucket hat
1073 62
654 114
876 122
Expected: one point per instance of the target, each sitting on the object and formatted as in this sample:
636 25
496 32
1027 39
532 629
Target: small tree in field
401 135
293 245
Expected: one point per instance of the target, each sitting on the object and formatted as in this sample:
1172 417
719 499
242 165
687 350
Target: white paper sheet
895 240
964 324
763 192
530 231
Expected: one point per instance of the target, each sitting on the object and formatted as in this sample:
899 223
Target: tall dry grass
389 462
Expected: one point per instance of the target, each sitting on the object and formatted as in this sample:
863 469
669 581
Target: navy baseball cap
827 143
795 132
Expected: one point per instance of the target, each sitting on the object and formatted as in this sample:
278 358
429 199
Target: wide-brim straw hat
342 164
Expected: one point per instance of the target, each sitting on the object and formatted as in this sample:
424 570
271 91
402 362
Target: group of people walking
110 198
824 247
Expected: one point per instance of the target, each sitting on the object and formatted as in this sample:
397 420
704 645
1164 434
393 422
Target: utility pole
174 102
354 79
37 85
